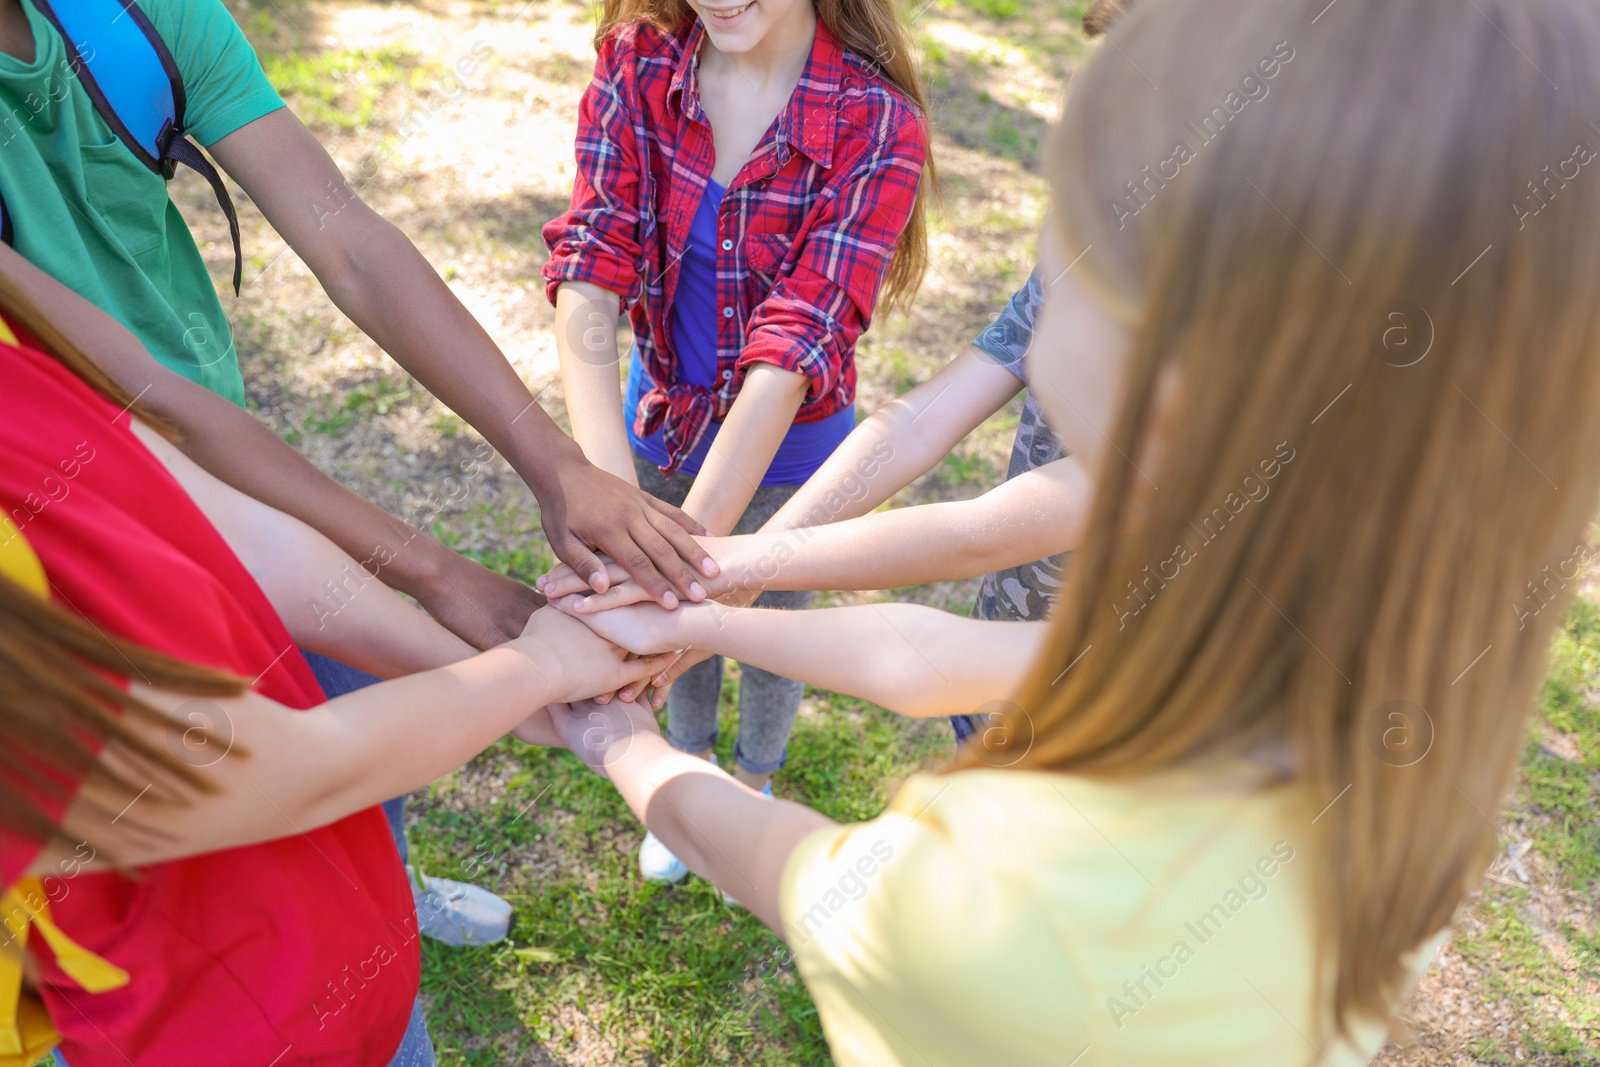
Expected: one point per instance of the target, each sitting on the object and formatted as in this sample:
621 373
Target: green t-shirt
87 212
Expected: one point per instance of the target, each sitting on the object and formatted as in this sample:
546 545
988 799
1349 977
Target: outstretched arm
287 771
479 605
375 275
911 659
900 442
723 830
328 602
1036 514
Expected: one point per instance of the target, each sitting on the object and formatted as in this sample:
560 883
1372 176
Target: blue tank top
694 333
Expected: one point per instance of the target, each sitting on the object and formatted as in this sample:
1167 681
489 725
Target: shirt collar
807 122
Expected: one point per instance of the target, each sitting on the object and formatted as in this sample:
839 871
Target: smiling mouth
727 14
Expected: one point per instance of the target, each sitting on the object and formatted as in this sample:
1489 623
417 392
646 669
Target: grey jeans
768 703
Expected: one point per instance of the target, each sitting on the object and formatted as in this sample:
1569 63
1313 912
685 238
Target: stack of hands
633 618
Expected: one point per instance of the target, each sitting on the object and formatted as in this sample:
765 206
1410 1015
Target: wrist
746 562
700 626
544 456
418 567
541 663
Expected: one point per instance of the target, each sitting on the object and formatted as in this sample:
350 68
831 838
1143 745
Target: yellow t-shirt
1016 918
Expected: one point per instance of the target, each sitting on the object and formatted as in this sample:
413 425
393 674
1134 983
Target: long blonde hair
873 30
1365 272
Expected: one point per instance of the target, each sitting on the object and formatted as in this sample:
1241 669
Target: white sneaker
457 913
658 864
727 897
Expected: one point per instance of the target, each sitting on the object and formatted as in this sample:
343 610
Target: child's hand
644 627
727 552
601 734
561 580
478 605
539 729
575 662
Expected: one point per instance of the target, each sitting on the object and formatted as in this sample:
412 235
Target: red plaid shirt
806 231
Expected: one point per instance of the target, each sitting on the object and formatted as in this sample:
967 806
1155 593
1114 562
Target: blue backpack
136 87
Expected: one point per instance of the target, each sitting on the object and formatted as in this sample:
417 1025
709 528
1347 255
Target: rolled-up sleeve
597 239
810 321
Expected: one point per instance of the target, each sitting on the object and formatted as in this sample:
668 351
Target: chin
738 34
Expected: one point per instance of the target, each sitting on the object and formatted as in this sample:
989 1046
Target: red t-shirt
301 950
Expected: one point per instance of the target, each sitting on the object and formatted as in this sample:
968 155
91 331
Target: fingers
637 548
683 520
618 596
663 560
560 577
688 550
674 665
563 580
575 554
659 694
633 690
653 665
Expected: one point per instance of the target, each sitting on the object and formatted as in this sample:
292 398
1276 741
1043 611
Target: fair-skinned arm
376 276
482 607
362 623
289 771
914 660
901 441
756 424
725 832
586 344
1037 514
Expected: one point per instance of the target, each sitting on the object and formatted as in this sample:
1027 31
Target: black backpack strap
5 222
188 153
129 73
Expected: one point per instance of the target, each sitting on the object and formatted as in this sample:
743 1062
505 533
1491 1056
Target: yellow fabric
6 333
1019 918
17 559
26 1033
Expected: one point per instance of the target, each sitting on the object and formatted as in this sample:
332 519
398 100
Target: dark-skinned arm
478 605
377 277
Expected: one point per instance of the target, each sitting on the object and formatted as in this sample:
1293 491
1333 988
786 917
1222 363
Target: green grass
668 975
1565 792
1552 1004
1559 799
340 88
525 559
349 405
